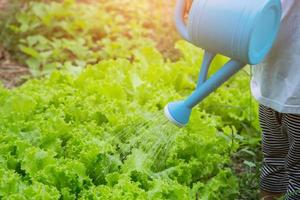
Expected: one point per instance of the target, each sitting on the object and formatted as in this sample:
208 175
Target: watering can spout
179 112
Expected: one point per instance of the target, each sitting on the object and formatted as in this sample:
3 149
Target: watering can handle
182 29
179 18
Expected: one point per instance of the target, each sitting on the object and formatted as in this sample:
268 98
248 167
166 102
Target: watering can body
243 30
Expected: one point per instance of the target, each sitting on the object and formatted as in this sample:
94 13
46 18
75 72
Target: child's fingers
188 6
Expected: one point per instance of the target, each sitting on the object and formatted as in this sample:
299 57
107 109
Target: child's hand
187 7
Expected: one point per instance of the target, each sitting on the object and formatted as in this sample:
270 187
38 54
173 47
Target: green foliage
95 130
62 35
100 134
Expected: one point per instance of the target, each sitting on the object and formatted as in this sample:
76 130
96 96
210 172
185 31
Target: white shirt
276 81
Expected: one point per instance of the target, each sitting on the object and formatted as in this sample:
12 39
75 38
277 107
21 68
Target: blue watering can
243 30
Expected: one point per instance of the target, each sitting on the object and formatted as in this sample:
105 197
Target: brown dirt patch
11 73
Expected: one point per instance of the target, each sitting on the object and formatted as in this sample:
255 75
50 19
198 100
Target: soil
11 73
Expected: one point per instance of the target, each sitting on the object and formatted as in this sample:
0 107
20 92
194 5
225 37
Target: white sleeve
286 6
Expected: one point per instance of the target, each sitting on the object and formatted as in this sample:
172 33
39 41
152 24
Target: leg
292 123
275 148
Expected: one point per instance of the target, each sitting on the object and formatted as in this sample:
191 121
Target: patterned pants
281 150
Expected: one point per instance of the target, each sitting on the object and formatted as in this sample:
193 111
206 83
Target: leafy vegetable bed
95 129
93 136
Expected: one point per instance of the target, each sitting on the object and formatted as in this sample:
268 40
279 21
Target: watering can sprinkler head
178 113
